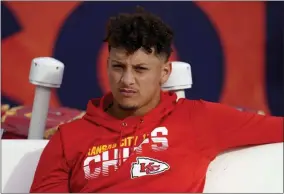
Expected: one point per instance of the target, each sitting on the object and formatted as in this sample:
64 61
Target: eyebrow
139 64
113 60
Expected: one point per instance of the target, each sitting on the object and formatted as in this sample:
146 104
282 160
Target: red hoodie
167 150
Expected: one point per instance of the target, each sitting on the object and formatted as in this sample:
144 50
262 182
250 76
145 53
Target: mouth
126 92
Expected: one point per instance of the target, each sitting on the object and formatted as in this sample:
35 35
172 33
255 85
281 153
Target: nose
127 78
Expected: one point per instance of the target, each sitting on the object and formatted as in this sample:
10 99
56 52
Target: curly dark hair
132 31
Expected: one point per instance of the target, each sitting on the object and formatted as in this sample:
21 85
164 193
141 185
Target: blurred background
235 49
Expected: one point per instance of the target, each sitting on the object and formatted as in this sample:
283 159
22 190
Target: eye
140 68
117 66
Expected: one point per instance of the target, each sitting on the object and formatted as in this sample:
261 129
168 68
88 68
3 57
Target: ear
166 72
108 62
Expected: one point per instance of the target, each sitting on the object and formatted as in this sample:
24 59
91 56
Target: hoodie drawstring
120 155
135 134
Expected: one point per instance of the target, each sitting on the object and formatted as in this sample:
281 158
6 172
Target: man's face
136 79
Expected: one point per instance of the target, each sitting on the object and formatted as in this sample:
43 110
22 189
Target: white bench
256 169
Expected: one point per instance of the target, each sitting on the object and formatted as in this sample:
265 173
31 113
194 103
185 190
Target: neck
119 113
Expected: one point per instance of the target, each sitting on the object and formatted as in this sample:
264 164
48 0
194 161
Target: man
137 138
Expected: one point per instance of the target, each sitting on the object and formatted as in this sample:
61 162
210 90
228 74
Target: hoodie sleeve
227 128
52 172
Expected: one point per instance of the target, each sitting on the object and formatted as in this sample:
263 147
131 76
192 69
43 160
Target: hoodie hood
96 113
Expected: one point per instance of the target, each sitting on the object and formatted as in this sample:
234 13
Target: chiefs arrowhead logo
147 166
